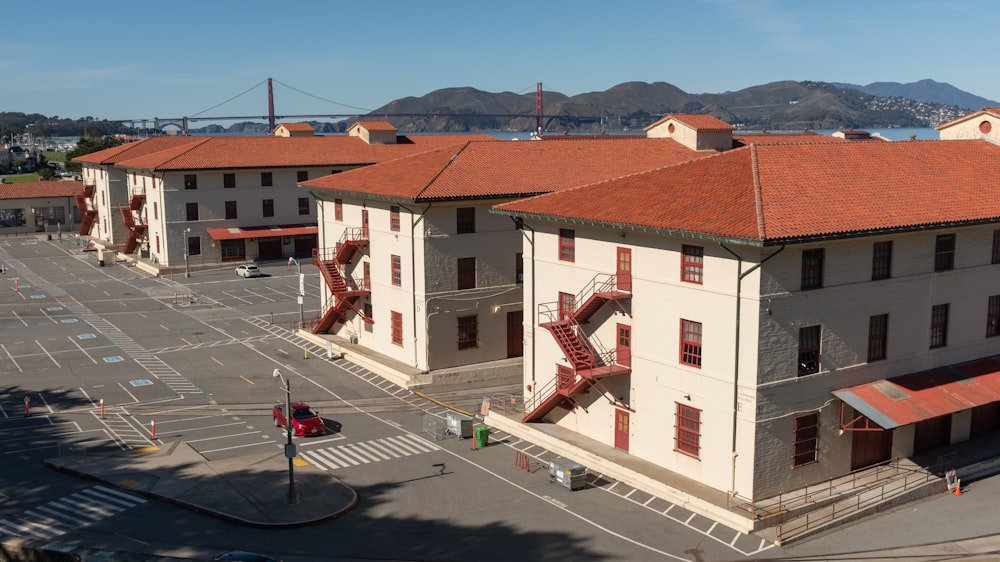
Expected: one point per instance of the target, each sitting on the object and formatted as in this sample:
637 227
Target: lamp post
289 446
302 288
187 270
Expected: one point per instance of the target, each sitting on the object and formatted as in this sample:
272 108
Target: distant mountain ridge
786 105
925 90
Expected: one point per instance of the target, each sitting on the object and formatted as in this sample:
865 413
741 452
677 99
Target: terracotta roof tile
299 126
781 192
236 152
377 125
39 189
508 168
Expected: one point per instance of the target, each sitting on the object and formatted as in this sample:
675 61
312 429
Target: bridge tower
538 108
270 107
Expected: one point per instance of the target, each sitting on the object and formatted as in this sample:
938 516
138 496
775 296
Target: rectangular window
466 273
687 423
194 245
302 175
231 210
567 244
338 209
878 336
809 350
939 325
192 211
190 181
228 180
812 269
266 180
397 271
465 220
303 206
805 439
692 263
996 247
691 343
394 218
519 268
369 327
944 252
993 317
156 212
397 327
882 260
468 332
267 207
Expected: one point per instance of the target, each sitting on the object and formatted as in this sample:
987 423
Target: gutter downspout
520 225
736 357
413 285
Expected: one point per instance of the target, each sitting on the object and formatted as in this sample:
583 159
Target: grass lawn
18 178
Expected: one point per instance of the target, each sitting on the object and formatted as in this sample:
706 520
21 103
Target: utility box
459 425
568 473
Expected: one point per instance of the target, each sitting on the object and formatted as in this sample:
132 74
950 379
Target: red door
515 333
623 345
624 269
870 447
566 305
364 223
621 429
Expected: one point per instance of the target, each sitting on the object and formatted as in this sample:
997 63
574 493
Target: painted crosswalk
61 516
365 452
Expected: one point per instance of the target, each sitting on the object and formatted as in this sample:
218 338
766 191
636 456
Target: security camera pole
289 447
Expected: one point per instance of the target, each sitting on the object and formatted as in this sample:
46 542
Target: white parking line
221 437
205 452
11 356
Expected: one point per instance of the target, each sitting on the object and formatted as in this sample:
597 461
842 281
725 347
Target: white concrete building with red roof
231 198
418 270
39 206
772 316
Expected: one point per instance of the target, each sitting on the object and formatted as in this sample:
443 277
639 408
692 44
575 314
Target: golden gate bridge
183 123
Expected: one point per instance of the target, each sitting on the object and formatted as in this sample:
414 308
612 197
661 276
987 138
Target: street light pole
289 447
302 290
187 270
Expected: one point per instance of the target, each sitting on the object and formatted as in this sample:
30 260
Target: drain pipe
519 224
736 358
413 283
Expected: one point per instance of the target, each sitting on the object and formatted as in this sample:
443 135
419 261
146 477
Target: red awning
928 394
235 233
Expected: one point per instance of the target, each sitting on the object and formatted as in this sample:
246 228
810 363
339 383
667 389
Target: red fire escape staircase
136 230
588 360
346 290
88 211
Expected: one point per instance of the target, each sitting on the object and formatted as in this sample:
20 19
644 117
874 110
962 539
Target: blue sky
128 60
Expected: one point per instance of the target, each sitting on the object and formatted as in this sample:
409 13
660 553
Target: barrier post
27 412
272 318
102 408
152 427
305 352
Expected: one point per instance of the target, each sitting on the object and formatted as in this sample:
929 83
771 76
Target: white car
248 271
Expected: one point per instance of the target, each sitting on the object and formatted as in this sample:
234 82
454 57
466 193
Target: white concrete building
229 198
774 315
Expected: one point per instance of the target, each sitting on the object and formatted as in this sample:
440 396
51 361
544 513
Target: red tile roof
376 125
991 111
783 192
300 126
235 152
507 168
40 189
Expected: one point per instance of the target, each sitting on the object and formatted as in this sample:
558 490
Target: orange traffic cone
958 489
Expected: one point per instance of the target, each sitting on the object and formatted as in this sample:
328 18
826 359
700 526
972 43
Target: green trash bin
482 436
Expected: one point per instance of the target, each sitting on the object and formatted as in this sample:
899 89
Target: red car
305 420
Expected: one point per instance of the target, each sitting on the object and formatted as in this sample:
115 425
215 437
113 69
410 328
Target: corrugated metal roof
907 399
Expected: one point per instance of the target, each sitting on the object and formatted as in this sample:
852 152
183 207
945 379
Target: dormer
374 132
697 132
294 130
984 123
